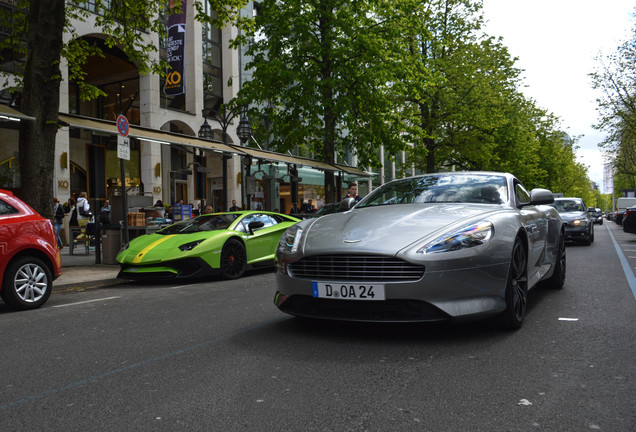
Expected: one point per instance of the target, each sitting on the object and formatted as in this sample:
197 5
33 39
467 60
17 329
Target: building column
150 156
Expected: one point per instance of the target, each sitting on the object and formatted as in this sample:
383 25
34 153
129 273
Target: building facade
168 161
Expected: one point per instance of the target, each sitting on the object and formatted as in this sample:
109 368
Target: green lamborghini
210 244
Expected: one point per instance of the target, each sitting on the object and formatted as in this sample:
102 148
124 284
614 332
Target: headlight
189 246
290 240
472 235
579 222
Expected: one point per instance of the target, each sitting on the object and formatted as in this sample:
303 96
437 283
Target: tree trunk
41 99
327 95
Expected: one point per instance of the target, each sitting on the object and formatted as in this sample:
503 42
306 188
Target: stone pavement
79 271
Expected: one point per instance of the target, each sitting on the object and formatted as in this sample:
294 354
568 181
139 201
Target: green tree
615 77
37 32
322 71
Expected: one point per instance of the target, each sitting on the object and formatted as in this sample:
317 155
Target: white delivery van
625 203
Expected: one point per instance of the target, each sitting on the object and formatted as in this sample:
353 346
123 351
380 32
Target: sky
556 43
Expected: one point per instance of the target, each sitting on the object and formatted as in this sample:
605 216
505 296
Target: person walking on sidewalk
58 220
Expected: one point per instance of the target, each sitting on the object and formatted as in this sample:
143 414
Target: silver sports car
435 247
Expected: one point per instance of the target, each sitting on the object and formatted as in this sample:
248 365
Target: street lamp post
224 117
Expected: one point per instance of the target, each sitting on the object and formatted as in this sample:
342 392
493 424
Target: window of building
212 64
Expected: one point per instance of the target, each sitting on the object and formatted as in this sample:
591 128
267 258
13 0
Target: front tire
516 289
27 283
233 259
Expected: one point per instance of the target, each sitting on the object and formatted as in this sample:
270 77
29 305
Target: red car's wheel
27 284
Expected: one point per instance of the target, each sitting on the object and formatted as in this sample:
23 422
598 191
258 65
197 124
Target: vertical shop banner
176 48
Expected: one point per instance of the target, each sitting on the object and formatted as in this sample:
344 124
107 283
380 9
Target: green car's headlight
189 246
290 240
472 235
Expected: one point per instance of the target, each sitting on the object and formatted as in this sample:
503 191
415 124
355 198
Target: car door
261 243
535 222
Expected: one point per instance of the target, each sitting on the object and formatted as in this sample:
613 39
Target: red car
29 257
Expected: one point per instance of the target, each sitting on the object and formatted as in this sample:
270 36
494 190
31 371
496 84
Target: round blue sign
122 125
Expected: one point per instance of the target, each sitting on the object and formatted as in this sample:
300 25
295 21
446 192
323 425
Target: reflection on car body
427 248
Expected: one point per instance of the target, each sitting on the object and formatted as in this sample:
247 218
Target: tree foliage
44 33
615 77
335 76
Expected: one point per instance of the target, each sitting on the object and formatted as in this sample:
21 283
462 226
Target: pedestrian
245 207
208 209
294 209
83 209
71 207
308 207
58 220
84 215
353 192
234 206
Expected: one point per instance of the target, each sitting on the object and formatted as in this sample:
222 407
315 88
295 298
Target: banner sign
176 48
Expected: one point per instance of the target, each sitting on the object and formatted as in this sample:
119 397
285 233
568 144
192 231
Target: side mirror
346 204
541 197
253 226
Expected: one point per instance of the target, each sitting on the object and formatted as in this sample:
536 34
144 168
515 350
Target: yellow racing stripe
145 250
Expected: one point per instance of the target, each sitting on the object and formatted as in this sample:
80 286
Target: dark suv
578 219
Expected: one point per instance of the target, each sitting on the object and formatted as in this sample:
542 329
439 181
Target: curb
84 285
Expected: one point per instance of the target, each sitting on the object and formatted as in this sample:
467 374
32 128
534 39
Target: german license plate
347 291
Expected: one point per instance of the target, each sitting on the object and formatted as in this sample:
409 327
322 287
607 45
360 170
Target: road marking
629 274
87 301
568 319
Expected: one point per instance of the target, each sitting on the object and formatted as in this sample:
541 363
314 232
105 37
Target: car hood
156 248
570 216
388 228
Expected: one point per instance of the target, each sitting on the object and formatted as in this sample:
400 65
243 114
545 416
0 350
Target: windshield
201 223
441 188
565 206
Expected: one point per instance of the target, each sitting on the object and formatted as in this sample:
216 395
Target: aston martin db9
447 246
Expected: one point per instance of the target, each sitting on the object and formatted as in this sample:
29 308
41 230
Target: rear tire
557 280
27 283
233 259
516 289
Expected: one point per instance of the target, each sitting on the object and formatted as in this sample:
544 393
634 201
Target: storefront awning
8 113
288 159
146 134
354 171
162 137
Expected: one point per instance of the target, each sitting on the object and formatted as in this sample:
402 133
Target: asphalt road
218 356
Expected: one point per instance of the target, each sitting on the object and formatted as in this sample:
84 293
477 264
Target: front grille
359 268
349 310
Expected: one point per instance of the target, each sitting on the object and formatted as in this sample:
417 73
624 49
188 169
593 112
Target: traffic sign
122 126
123 147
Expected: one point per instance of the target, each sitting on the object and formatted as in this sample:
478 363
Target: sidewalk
79 271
